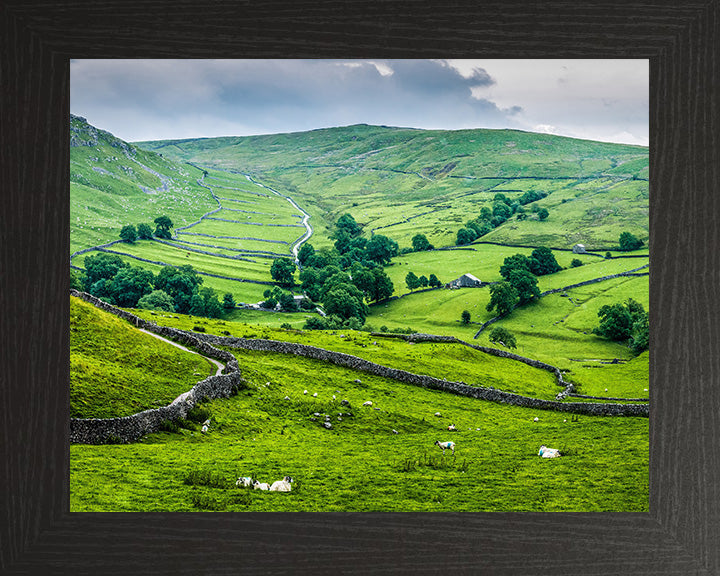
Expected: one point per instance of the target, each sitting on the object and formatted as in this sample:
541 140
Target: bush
465 317
198 329
503 337
285 326
198 414
169 426
576 262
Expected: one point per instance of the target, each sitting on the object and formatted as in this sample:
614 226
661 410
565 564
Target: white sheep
282 485
204 429
244 481
314 394
452 427
368 403
257 485
546 452
445 446
207 422
536 419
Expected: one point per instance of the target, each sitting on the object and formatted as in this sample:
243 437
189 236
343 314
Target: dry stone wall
131 428
459 388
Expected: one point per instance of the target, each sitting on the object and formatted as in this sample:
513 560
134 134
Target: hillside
408 181
113 183
116 370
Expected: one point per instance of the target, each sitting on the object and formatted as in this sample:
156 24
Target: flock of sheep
283 485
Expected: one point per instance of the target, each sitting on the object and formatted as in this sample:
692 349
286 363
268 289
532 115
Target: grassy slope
115 370
382 175
259 433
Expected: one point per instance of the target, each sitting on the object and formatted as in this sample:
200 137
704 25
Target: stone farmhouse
465 281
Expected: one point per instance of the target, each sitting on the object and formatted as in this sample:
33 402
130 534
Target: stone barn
579 249
465 281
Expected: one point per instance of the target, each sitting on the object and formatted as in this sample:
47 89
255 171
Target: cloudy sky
604 100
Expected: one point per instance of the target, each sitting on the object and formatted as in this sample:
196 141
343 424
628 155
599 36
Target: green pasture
116 370
361 464
246 230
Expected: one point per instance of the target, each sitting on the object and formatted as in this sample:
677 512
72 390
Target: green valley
524 256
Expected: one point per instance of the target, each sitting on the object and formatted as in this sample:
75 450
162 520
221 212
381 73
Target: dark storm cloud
142 99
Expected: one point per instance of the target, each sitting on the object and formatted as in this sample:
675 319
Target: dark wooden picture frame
681 533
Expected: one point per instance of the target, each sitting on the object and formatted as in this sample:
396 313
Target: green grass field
360 464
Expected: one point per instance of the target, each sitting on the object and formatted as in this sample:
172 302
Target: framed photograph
260 218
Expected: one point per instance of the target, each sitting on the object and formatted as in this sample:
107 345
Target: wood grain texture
680 535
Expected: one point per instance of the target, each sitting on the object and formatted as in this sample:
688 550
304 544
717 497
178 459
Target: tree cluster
412 281
625 322
503 209
115 281
129 233
348 276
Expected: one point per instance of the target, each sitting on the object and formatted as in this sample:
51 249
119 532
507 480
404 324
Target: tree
306 252
465 236
157 300
543 213
144 231
213 308
420 243
287 302
381 249
503 298
163 225
129 233
345 303
628 242
503 337
502 210
102 266
282 271
465 317
640 339
542 261
576 263
76 279
514 262
525 284
228 302
423 281
433 281
346 223
617 321
196 305
382 287
130 284
181 283
412 281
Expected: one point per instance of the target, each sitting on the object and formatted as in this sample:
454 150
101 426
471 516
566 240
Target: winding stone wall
459 388
131 428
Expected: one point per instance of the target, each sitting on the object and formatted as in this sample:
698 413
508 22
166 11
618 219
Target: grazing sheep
445 446
536 419
452 427
546 452
260 485
368 403
244 481
204 429
282 485
314 394
304 391
438 414
207 422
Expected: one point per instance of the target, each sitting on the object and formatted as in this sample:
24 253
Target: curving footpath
131 428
